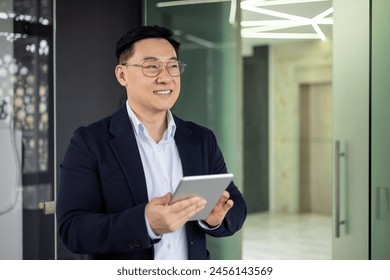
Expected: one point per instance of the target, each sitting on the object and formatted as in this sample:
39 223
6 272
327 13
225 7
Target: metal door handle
48 207
338 155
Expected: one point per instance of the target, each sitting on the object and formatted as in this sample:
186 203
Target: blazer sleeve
236 216
85 225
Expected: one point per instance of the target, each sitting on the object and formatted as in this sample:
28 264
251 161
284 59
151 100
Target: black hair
124 47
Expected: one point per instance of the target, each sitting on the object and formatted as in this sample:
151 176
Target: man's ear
120 75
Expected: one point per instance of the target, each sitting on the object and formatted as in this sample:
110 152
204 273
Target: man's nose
164 75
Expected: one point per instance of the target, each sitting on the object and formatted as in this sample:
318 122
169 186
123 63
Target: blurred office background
295 91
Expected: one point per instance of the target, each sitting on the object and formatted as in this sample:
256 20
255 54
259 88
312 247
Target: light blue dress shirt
163 171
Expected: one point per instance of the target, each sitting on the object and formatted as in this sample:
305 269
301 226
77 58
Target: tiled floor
287 237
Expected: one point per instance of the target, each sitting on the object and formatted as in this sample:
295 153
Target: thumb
167 198
162 200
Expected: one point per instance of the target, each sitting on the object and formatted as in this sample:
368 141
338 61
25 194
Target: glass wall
26 129
211 85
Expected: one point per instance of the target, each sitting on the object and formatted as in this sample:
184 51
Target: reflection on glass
36 11
25 80
25 102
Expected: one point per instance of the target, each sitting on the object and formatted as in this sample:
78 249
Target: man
118 174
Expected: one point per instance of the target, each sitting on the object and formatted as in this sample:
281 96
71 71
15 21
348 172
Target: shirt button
169 246
159 149
164 181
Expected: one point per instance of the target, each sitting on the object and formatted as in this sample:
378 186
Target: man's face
149 96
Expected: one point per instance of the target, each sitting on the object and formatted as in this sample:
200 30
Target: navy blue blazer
102 196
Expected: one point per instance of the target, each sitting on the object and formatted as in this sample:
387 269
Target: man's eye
151 66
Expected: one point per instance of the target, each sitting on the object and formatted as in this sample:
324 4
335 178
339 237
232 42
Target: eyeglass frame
180 63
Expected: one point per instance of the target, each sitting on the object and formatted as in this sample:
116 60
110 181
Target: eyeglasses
152 68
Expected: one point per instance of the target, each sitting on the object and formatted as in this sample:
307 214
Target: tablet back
210 187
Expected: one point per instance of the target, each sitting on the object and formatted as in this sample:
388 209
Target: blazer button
135 244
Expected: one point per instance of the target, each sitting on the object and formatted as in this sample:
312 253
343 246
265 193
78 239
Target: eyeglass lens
152 68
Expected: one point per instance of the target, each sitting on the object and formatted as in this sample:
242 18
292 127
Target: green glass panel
351 128
380 157
210 86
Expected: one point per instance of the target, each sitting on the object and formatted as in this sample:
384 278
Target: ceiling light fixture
269 35
264 3
260 28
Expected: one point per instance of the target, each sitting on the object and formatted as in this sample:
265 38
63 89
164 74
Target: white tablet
210 187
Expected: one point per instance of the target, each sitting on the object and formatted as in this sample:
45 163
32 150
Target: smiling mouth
162 92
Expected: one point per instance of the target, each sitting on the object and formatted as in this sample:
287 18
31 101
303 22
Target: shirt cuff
204 225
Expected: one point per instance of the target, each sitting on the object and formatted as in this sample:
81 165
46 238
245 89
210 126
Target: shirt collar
138 126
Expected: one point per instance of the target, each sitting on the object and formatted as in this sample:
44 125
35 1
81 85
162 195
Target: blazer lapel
189 149
125 148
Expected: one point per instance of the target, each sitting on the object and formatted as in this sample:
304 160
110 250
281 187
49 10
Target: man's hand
220 209
164 217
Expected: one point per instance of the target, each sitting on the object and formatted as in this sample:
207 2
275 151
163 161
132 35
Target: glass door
351 129
362 190
211 86
26 134
380 131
